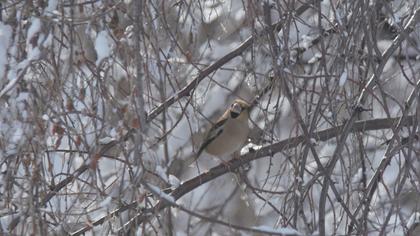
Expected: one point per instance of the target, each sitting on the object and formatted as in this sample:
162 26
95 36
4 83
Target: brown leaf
82 94
78 140
94 161
69 105
135 123
57 129
58 142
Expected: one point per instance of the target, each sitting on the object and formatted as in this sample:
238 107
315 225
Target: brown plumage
229 133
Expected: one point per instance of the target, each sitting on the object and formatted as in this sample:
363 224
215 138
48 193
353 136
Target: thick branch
234 164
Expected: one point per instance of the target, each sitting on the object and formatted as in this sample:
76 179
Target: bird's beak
235 110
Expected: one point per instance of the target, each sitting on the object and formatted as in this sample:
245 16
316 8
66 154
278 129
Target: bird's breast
232 138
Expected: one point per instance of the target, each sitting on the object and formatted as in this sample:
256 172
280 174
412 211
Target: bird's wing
213 133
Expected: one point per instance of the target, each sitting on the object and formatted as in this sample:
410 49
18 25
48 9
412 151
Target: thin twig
234 164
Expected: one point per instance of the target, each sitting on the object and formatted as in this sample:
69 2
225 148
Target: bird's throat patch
234 115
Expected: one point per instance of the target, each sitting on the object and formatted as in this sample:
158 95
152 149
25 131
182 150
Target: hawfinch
229 133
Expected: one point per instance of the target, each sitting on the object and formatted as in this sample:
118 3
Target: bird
229 133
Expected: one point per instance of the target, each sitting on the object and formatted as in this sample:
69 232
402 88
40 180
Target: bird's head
237 107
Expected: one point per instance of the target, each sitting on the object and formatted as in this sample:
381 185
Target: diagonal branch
409 27
186 91
234 164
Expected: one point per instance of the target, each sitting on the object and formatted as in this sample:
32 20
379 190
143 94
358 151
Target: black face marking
235 110
234 114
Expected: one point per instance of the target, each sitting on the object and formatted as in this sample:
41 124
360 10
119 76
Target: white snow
156 190
240 15
315 58
106 140
52 6
252 146
414 219
174 181
343 78
33 54
282 231
34 28
106 202
306 41
357 177
15 138
48 41
162 173
211 13
103 46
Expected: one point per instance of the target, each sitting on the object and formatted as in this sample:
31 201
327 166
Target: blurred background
104 104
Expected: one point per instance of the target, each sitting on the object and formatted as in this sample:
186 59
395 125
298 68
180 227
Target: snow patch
250 146
414 219
343 78
162 173
106 202
33 29
174 181
52 6
157 191
282 231
103 46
